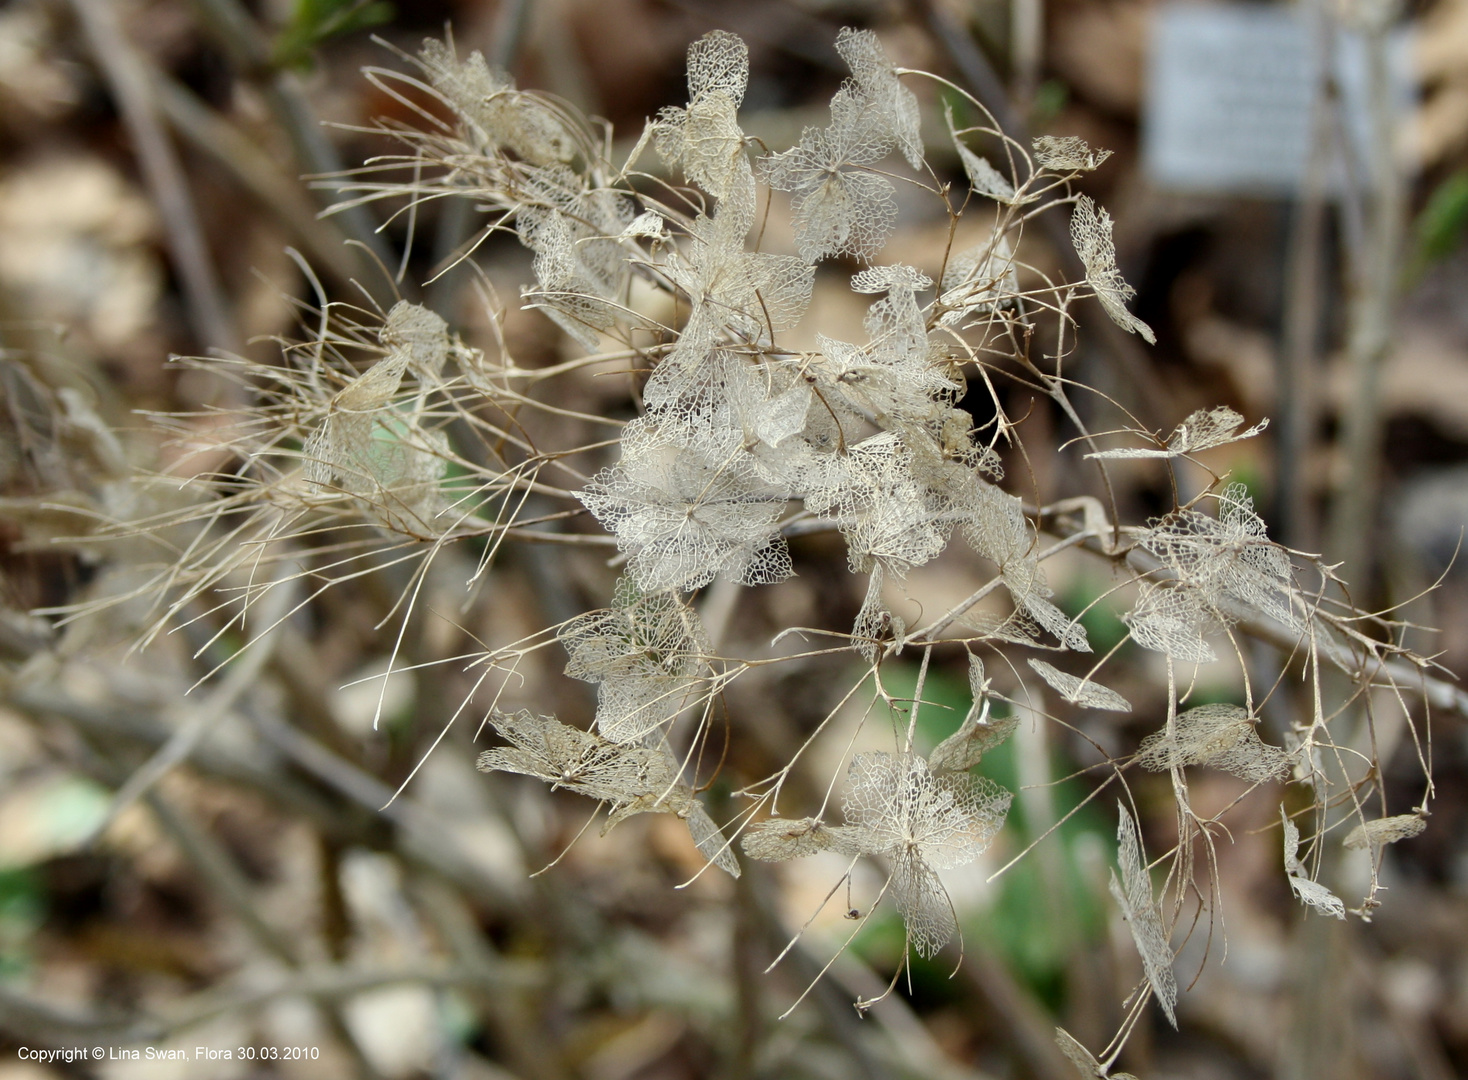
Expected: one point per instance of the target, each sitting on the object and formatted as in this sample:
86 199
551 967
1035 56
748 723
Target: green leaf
314 21
1051 97
22 910
1440 225
48 817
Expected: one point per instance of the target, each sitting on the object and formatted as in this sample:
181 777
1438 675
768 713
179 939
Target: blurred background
1290 189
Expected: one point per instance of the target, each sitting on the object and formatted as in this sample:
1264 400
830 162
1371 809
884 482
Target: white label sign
1230 92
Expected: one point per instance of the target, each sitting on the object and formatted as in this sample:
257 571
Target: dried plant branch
387 454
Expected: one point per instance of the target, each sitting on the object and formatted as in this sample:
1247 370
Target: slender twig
256 170
235 31
1143 397
25 1015
511 1018
229 884
127 76
202 720
1375 270
419 834
510 26
1295 405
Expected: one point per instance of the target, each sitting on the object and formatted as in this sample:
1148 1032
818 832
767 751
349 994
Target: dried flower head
921 822
705 137
689 430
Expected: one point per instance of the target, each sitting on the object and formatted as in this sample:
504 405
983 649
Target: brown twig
256 170
418 834
247 47
23 1015
132 87
219 871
